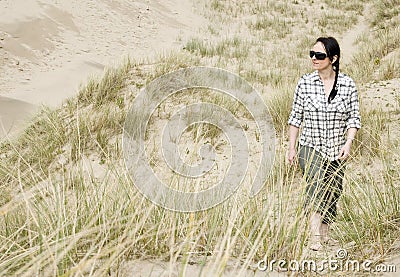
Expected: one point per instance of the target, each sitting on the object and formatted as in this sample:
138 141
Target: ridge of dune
349 40
48 49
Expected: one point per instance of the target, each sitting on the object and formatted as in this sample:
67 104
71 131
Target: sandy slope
348 42
48 48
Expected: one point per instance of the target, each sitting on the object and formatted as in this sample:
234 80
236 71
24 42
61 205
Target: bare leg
315 229
324 230
325 238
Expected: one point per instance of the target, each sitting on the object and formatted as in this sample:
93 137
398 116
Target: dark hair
332 49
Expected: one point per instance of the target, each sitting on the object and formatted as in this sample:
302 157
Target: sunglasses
318 55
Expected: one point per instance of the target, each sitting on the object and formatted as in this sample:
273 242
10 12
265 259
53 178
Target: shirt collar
315 77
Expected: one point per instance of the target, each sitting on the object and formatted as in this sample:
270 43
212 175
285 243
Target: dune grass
69 207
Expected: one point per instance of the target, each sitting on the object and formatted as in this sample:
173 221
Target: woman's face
320 64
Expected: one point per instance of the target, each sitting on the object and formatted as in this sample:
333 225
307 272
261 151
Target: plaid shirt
325 124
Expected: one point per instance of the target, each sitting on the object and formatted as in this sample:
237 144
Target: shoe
330 241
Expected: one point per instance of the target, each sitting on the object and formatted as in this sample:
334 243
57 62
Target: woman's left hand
345 151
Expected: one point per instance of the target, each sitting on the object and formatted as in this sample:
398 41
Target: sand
49 48
348 43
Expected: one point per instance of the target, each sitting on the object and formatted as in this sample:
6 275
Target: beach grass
68 205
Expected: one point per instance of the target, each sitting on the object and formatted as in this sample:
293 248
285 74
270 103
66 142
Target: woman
326 104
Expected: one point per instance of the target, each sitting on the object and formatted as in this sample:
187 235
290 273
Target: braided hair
332 49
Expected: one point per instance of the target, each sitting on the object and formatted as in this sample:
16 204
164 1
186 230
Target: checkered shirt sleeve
353 120
296 115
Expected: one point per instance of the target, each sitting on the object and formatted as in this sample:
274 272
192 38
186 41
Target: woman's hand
345 151
291 155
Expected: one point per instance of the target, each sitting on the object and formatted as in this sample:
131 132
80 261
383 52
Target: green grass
346 6
227 48
387 12
107 89
272 26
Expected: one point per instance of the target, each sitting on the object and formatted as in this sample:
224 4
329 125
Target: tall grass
370 213
68 206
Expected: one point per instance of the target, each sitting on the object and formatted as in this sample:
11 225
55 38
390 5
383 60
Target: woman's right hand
291 155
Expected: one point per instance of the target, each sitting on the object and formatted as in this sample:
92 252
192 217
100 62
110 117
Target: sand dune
13 113
47 48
